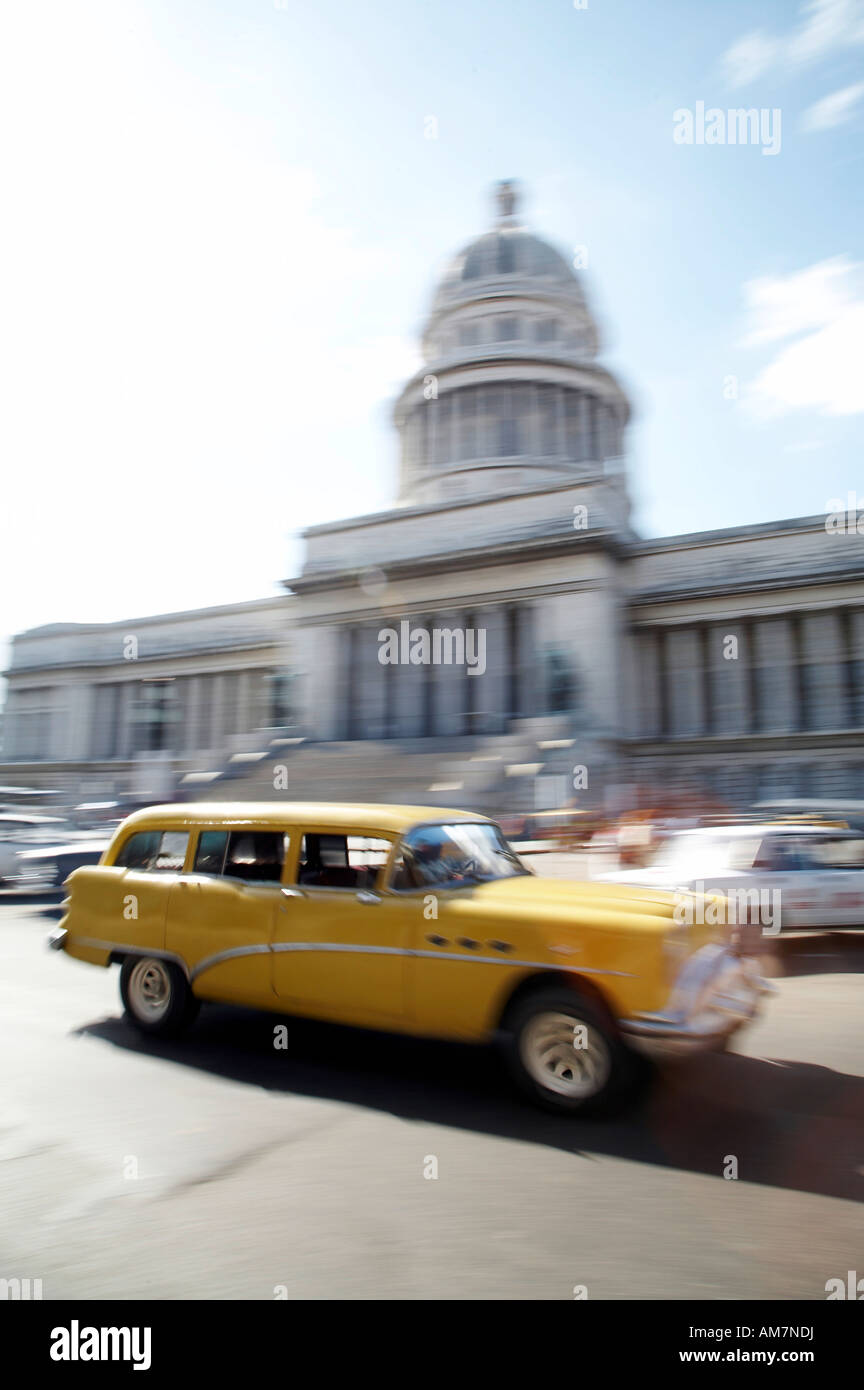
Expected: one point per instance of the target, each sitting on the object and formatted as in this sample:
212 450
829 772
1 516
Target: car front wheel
564 1054
156 996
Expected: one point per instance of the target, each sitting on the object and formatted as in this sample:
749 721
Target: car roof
373 816
769 828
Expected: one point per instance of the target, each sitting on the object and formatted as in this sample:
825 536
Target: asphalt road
219 1168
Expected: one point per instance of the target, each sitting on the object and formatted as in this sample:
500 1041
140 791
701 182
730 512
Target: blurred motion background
501 638
459 438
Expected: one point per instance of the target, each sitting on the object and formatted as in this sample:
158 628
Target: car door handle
291 893
437 940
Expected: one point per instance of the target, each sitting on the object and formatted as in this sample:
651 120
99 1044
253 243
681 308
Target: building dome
509 396
504 252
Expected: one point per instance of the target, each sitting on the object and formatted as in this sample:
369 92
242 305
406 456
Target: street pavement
219 1168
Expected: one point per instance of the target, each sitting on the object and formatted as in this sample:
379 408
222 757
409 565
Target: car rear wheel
156 996
564 1054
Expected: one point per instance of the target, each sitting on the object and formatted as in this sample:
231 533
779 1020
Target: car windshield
690 853
466 852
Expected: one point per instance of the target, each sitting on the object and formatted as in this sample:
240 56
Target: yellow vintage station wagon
406 919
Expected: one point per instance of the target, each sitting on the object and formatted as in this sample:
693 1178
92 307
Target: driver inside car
433 865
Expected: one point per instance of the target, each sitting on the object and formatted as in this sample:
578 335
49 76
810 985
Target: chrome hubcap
150 989
564 1054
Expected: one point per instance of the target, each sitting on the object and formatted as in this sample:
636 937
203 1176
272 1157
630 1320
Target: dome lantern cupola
510 396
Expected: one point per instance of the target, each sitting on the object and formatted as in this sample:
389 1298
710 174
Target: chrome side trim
94 944
283 946
232 954
345 948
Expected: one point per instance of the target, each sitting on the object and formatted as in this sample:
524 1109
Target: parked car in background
815 870
21 830
48 866
408 919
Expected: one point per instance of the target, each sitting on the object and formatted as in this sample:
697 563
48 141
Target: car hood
581 894
668 878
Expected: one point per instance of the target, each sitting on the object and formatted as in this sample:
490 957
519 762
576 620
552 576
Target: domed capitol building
502 625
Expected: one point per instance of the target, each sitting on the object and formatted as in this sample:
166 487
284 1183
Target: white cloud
749 57
833 110
825 27
821 372
822 309
829 26
780 306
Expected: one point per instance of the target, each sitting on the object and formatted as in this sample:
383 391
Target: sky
224 219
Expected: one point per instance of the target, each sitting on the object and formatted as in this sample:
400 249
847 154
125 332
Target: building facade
129 708
732 661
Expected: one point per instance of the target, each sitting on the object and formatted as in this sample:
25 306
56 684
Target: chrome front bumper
716 993
57 939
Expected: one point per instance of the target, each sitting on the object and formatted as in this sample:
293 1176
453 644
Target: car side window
210 852
773 856
154 851
257 856
840 852
341 861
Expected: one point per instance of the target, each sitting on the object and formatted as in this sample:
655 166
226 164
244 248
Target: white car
49 865
21 831
814 874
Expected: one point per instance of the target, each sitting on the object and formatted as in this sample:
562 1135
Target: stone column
646 697
822 652
217 725
243 722
449 691
706 679
528 675
489 691
11 727
732 680
432 430
848 700
752 700
189 739
775 674
856 652
684 685
407 686
799 674
125 720
584 428
534 442
366 691
664 720
454 453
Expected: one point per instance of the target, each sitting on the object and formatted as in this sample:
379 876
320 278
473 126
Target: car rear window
154 851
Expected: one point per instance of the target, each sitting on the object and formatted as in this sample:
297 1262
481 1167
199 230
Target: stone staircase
489 773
